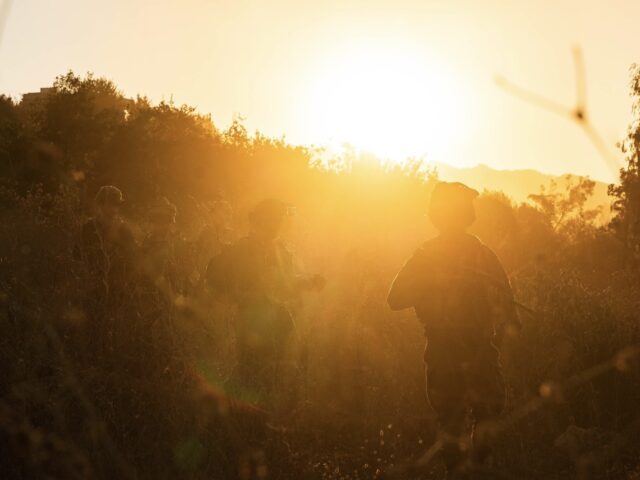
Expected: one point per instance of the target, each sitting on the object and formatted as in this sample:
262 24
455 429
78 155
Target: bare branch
5 8
601 146
578 113
581 83
533 98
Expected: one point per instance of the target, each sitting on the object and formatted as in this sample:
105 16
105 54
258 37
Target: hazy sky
336 70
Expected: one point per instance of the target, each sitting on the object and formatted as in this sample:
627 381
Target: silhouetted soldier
259 276
214 237
216 233
107 243
462 296
160 285
108 247
158 247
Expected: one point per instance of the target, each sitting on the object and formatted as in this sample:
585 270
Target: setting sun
391 101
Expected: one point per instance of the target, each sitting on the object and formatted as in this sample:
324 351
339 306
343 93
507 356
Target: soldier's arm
314 283
91 248
508 320
298 280
219 275
405 288
127 242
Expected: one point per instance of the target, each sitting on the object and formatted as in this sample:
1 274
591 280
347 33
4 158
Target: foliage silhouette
155 407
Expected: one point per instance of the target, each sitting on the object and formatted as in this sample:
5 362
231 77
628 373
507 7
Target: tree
75 121
626 221
564 207
11 136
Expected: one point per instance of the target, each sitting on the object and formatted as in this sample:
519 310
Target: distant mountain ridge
518 184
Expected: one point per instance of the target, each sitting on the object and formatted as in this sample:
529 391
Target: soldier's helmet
109 195
268 217
163 212
451 206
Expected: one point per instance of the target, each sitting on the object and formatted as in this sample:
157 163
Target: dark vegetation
152 404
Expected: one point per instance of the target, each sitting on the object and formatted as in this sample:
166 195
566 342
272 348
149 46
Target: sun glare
392 102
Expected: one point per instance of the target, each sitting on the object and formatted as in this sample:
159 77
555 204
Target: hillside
518 184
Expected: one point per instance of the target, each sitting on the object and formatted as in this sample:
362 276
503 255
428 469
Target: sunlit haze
392 100
397 78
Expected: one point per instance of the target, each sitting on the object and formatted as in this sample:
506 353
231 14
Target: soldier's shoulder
243 242
125 232
89 230
283 247
431 246
441 246
473 239
424 253
488 256
148 242
482 246
241 247
285 252
474 242
89 224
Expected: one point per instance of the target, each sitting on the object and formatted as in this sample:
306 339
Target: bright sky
399 77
